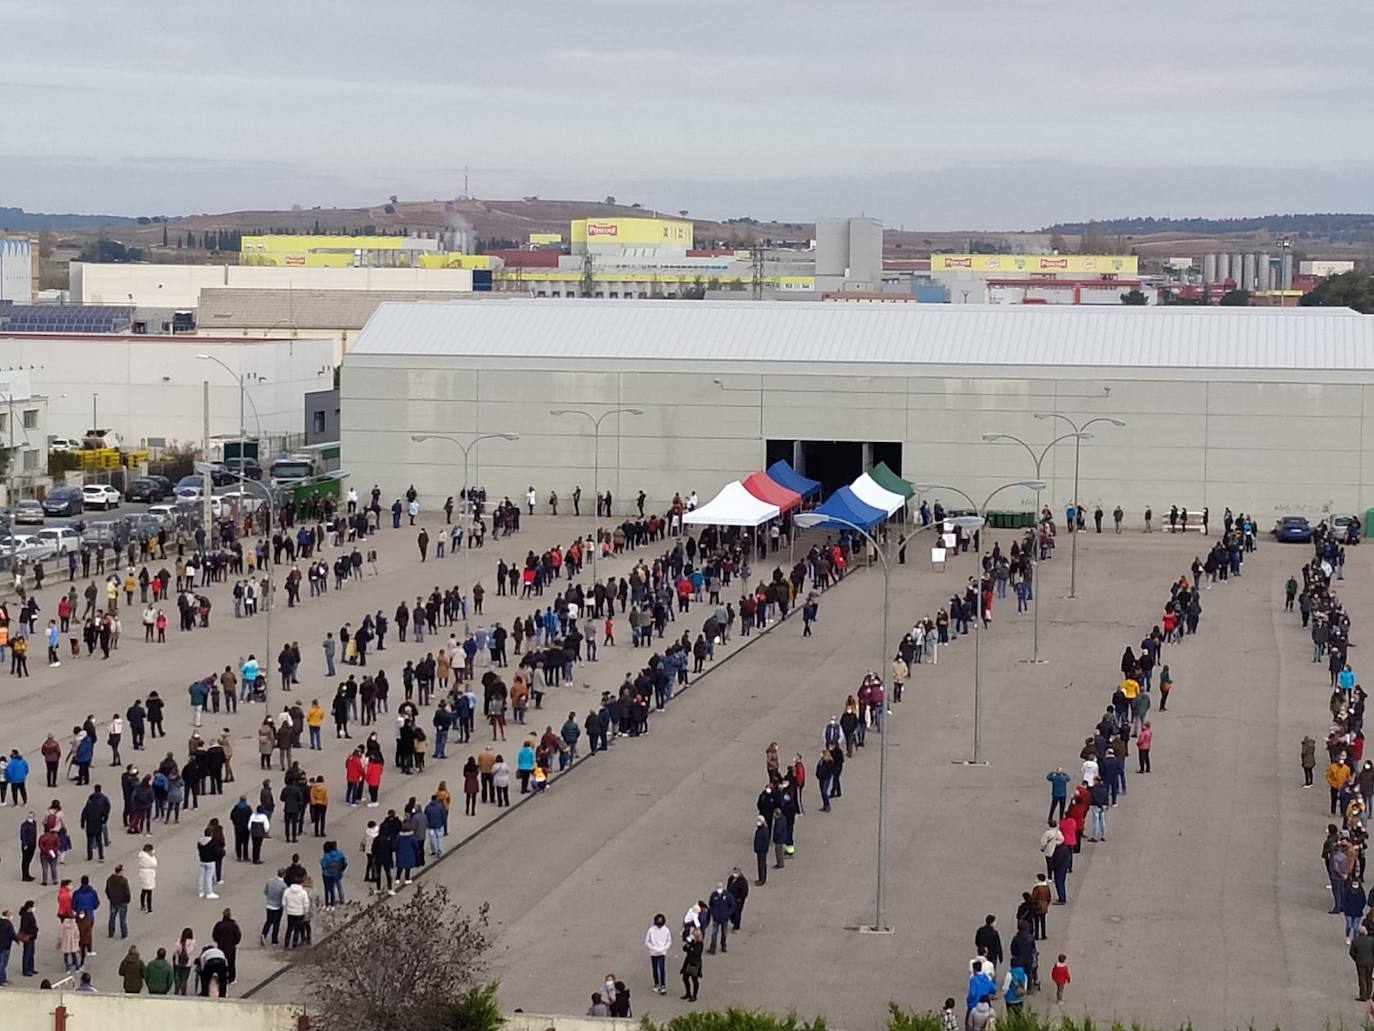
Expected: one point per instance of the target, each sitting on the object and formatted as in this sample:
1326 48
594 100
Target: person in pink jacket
1142 745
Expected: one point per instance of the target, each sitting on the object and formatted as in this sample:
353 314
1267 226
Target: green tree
1134 296
1235 299
1348 290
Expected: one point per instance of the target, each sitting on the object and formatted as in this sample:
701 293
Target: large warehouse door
838 463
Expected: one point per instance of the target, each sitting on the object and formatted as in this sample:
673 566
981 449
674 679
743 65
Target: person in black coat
738 886
691 965
762 839
988 938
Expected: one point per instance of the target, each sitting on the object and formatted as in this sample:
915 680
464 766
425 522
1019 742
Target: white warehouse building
1263 410
152 387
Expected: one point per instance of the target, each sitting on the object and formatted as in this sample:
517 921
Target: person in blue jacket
85 899
17 772
436 825
1059 790
82 755
405 858
333 863
524 766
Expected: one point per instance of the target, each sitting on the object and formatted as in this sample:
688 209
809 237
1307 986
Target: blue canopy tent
782 473
845 504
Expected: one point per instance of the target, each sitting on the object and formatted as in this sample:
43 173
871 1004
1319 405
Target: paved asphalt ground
1206 903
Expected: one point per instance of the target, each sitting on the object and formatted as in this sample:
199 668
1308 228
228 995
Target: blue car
1293 530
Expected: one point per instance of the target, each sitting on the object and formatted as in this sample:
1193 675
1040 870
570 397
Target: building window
319 421
30 418
30 461
4 421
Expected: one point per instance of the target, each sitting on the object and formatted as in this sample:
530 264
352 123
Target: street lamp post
1039 460
420 438
596 420
976 522
1077 501
811 519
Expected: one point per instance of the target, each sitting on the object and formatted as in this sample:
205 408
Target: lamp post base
967 762
870 929
1034 662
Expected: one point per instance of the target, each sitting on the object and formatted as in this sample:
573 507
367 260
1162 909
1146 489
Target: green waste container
1369 522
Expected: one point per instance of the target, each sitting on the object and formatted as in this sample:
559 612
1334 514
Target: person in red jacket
373 776
52 755
353 774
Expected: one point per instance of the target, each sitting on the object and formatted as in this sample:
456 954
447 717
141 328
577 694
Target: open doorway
889 451
836 463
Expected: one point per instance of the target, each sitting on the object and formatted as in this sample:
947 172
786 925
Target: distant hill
1336 227
19 219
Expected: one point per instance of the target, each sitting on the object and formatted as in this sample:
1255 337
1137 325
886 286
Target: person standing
272 892
1308 760
8 936
118 896
147 879
658 940
762 837
131 970
1144 739
1059 790
738 886
157 975
721 906
691 965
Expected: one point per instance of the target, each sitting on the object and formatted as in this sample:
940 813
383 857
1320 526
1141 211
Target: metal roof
230 307
813 332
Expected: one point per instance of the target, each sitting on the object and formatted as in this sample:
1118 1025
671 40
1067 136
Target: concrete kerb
522 800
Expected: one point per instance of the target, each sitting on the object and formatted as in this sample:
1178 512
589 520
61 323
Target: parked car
251 469
62 538
164 514
109 532
247 500
100 495
28 511
64 444
167 485
27 547
145 488
64 501
1346 528
1293 530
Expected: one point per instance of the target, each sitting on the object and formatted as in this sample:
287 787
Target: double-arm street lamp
810 519
596 421
420 438
1039 459
976 522
1077 501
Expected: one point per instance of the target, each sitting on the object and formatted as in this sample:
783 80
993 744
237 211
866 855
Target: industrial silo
1263 275
1247 279
1286 282
1237 268
1209 268
1223 268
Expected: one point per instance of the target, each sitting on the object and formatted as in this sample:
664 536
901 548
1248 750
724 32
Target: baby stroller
259 693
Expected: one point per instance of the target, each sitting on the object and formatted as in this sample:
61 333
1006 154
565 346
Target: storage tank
1223 268
1286 279
1237 267
1263 274
1247 279
1209 268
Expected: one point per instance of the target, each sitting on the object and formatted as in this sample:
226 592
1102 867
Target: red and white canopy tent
733 506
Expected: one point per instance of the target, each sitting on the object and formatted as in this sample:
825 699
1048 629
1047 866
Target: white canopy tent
870 492
733 506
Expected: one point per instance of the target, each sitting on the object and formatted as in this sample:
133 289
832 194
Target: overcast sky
996 114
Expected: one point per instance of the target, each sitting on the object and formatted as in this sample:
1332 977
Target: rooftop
1034 335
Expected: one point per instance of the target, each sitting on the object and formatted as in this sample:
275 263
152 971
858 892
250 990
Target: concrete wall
151 386
179 286
107 1010
1269 443
548 1022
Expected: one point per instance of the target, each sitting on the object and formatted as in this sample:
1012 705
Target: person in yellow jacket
319 805
1336 776
1130 687
314 718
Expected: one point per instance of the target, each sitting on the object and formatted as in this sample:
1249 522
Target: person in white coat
295 903
147 878
659 940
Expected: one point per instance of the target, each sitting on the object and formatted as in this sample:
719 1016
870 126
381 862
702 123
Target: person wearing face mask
658 940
